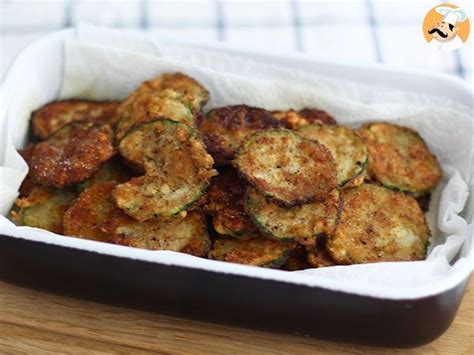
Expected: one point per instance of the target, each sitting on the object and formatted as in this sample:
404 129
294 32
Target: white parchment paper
105 64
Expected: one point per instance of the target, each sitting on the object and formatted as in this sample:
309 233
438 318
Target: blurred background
356 31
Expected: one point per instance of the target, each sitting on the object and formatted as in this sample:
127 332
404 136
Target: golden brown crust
286 167
55 115
292 119
226 204
86 217
317 254
399 158
225 128
114 169
377 224
43 208
258 252
186 234
298 222
319 258
194 94
71 154
297 260
177 170
150 106
172 96
345 146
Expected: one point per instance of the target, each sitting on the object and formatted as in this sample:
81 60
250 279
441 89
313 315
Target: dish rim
457 86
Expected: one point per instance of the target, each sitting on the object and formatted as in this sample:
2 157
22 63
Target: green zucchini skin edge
267 232
277 263
194 134
60 196
361 168
246 177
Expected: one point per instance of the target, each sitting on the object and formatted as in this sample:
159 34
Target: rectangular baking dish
225 294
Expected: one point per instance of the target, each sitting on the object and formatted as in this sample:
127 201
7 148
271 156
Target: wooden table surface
35 322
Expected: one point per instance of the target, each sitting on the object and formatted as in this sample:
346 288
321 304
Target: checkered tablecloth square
358 31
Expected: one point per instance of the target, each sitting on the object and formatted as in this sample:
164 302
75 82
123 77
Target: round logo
446 27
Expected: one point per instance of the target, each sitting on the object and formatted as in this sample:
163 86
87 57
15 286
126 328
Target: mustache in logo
438 31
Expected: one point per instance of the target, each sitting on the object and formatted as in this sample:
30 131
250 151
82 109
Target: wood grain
35 322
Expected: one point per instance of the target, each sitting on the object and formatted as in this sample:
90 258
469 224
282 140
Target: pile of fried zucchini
281 189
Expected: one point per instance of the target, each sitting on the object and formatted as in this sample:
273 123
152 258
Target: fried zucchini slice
346 147
173 96
226 204
44 208
288 168
399 158
184 234
318 258
317 254
298 222
225 128
377 224
177 170
150 106
298 260
55 115
86 217
112 170
71 155
258 252
194 94
292 119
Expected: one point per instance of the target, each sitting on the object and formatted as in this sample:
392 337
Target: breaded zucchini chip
150 106
346 148
225 128
318 258
399 158
298 222
173 96
226 203
177 170
258 252
43 208
286 167
113 170
296 119
55 115
194 94
86 217
317 254
377 224
71 155
297 260
184 234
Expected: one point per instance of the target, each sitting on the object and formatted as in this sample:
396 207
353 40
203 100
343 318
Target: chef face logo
446 27
443 32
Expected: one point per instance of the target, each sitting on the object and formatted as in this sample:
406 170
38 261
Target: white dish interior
103 64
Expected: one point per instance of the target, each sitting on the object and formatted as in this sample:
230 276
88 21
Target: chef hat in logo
451 16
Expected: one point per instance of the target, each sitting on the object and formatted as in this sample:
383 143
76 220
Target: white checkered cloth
357 31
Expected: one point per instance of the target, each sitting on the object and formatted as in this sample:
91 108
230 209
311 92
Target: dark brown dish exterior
228 299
